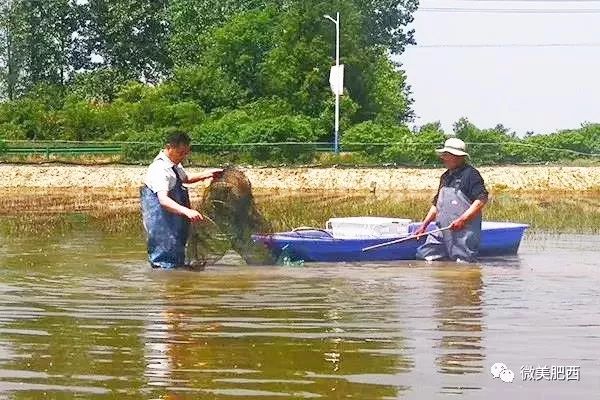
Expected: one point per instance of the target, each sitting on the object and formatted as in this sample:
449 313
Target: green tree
50 25
37 41
285 49
191 20
129 36
382 91
239 49
386 22
210 87
12 50
100 85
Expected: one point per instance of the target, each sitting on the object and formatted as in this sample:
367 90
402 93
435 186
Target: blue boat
319 245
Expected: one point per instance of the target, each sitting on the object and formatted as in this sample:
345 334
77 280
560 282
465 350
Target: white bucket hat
454 146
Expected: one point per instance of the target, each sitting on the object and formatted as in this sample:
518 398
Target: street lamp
337 94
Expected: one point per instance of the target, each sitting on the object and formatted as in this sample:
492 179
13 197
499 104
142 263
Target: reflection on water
81 315
269 333
459 314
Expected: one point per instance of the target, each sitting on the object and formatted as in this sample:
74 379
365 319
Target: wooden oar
404 239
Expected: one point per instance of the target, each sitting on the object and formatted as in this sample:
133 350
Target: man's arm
204 176
432 214
479 194
468 215
172 206
428 220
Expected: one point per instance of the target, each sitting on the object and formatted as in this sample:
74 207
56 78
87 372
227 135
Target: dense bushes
141 146
283 130
377 143
395 144
268 132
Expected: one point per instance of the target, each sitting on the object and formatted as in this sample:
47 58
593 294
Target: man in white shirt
165 203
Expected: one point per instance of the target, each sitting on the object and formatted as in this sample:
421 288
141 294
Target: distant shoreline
502 178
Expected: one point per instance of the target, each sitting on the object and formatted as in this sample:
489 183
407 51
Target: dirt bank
504 178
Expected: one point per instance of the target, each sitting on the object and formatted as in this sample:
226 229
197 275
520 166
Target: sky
526 88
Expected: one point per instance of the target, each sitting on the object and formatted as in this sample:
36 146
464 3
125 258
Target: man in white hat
458 204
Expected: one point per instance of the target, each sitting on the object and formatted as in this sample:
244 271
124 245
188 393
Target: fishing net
232 219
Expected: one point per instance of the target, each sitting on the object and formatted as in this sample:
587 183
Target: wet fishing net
232 219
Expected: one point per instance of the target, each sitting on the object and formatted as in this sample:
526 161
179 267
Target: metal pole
337 96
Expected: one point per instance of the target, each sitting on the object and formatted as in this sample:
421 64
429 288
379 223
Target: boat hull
497 239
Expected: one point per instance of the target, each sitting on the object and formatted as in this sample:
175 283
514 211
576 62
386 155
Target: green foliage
12 53
12 131
268 108
386 21
387 99
490 146
128 36
426 140
239 48
282 130
380 143
218 134
373 139
209 87
207 62
33 117
143 146
499 146
98 86
184 115
37 42
260 122
190 20
79 121
286 53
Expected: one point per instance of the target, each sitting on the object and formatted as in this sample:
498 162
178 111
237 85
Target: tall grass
54 212
556 213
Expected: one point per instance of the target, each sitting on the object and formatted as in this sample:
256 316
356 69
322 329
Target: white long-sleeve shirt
160 176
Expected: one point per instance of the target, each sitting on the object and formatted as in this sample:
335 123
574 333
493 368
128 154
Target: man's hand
193 215
421 231
425 224
458 224
468 215
216 173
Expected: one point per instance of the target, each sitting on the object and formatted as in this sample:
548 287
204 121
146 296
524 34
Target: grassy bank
50 211
557 212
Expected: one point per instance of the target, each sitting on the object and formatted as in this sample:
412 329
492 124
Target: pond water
83 316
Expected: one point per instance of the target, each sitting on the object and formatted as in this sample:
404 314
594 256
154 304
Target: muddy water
82 316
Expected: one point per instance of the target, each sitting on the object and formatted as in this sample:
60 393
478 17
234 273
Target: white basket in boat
367 227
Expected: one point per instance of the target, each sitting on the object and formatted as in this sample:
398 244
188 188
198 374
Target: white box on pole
336 79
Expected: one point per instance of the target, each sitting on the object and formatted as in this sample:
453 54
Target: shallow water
83 316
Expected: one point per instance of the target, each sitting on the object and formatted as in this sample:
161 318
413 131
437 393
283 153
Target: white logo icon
507 376
497 368
500 370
